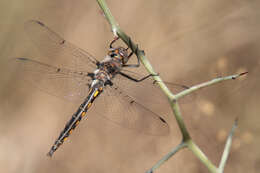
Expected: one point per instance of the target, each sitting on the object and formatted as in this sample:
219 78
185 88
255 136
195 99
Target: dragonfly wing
146 91
61 70
60 82
56 50
124 110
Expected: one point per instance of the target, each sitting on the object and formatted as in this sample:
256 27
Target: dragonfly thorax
114 61
119 53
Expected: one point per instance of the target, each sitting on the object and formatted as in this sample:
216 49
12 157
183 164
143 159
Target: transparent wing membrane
127 112
60 82
56 50
149 88
125 108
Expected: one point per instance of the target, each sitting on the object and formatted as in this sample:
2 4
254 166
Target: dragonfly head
119 53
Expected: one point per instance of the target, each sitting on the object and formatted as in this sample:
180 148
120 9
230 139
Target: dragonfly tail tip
49 154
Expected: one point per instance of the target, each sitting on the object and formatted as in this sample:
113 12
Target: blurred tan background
186 41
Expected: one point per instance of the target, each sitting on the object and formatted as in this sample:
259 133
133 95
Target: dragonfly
69 72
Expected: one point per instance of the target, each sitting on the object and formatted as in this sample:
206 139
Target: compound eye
113 55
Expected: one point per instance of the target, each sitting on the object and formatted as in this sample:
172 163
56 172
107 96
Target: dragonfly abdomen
75 119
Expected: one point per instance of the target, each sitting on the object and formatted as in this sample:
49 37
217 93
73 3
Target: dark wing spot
132 101
62 42
23 59
40 23
58 69
162 119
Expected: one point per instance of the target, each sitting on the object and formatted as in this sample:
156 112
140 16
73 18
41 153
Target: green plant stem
205 84
167 156
201 156
110 18
227 148
180 122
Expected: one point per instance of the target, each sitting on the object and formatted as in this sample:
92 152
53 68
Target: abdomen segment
75 119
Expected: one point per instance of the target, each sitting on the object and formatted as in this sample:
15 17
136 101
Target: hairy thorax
108 69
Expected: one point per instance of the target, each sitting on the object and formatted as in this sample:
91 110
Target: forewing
62 68
58 51
60 82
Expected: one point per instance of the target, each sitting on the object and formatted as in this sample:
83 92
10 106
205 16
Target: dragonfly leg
133 65
109 82
130 54
131 46
137 80
113 41
138 60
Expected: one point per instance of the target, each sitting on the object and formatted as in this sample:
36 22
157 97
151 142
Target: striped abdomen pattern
75 119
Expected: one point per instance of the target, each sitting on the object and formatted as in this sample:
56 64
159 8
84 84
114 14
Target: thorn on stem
241 74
